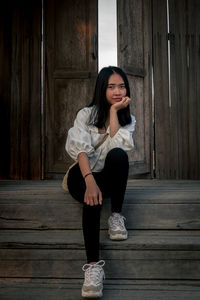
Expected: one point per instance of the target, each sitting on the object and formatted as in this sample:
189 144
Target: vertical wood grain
5 74
25 160
184 48
134 57
70 73
177 123
161 91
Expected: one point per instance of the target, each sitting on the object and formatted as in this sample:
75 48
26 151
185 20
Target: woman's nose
117 90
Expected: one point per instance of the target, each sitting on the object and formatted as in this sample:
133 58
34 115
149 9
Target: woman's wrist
113 109
87 174
89 180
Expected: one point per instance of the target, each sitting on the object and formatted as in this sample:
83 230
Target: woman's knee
117 154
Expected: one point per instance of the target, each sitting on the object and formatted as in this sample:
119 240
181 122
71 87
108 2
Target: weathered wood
71 71
47 263
46 206
5 75
70 290
194 93
186 285
55 215
177 118
25 162
129 264
136 183
134 58
164 157
73 239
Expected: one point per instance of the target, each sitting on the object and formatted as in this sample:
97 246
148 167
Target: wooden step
56 289
60 254
73 239
150 206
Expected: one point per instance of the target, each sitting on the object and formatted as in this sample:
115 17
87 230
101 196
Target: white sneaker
117 229
93 283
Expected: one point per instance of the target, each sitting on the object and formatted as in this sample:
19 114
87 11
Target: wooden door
71 69
177 93
20 89
134 56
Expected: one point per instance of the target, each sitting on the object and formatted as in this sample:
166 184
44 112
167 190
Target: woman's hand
121 104
114 122
93 194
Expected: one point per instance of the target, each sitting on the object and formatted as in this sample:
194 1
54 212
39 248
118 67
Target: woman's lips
117 99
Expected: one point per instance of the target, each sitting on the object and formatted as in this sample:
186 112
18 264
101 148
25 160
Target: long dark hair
100 103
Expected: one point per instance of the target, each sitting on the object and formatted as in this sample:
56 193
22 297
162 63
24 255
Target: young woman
101 172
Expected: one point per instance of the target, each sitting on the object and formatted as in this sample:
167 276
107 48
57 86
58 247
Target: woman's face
116 89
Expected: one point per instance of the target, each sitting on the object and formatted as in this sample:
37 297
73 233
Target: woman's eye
121 86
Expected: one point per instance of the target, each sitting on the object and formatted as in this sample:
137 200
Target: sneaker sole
92 294
118 236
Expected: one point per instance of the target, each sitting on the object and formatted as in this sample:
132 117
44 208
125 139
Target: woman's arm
93 194
114 123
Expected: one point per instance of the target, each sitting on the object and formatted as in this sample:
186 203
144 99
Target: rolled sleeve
79 139
124 136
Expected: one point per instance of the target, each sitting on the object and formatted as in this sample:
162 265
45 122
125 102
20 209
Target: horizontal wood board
153 205
70 290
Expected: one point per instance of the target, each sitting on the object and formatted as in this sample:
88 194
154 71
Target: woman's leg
90 217
115 173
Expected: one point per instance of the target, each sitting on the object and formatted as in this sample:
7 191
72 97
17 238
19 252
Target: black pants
112 182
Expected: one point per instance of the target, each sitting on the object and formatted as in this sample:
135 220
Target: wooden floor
42 250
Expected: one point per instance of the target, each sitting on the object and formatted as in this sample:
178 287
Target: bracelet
87 174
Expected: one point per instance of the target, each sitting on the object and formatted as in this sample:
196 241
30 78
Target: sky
107 29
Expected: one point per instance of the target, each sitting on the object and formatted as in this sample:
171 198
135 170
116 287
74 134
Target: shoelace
93 271
118 221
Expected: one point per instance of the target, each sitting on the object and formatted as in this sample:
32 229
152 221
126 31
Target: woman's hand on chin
121 104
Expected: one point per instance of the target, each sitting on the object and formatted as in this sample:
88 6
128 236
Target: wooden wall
20 89
177 120
135 58
5 74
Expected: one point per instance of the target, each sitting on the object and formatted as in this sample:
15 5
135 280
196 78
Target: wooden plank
15 96
157 205
70 290
175 82
5 75
134 57
73 239
184 45
129 264
35 116
51 215
25 91
168 285
164 156
179 84
133 196
35 184
162 190
193 86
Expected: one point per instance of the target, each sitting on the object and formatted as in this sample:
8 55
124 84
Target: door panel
134 56
177 110
24 56
71 70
